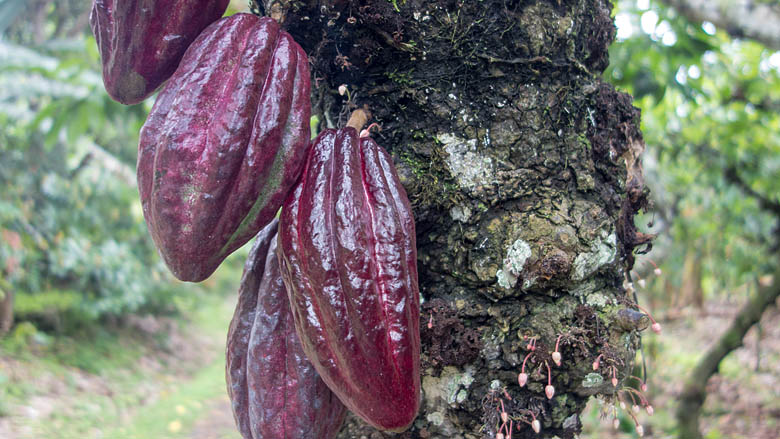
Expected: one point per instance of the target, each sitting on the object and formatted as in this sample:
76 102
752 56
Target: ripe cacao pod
224 143
274 390
349 261
142 41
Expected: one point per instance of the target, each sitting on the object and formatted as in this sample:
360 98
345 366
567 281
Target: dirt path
171 386
217 422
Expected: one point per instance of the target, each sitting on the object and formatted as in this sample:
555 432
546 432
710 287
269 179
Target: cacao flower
522 379
224 143
142 41
556 357
274 390
349 261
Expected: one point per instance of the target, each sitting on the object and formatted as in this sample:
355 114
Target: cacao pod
142 41
349 261
274 390
224 143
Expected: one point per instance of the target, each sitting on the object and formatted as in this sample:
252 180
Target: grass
100 383
174 414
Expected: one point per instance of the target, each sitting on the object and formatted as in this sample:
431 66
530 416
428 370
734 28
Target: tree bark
695 390
6 306
523 168
755 19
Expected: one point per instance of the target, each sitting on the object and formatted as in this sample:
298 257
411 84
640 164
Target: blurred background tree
709 111
710 118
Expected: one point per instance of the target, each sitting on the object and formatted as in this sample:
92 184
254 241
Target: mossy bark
523 169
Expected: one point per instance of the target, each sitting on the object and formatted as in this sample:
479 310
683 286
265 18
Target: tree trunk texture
523 168
6 307
691 291
695 390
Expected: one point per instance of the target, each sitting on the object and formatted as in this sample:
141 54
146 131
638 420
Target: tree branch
694 392
732 176
752 19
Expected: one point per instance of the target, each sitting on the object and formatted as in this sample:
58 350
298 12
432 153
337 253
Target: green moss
403 79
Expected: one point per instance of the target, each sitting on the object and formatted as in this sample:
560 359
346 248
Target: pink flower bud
656 327
536 425
522 379
596 365
640 431
499 435
556 356
649 409
342 89
616 423
504 417
622 405
643 387
635 408
549 391
614 382
657 271
641 283
364 134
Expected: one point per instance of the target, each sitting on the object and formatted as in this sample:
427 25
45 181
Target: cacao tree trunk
523 168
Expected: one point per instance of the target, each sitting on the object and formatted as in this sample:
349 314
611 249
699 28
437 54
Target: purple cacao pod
274 390
349 261
224 143
142 41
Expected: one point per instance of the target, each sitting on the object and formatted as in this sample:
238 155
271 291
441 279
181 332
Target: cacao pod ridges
224 142
274 390
348 256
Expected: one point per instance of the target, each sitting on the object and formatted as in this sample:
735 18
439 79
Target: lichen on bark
524 172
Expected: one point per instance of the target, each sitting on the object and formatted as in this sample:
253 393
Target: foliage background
75 247
709 109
